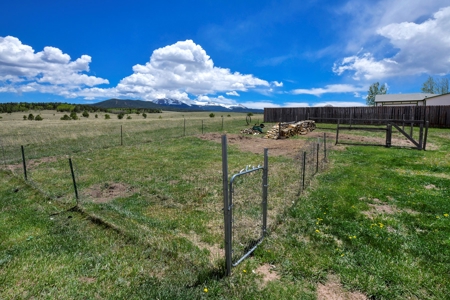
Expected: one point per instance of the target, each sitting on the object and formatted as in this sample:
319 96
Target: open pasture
149 223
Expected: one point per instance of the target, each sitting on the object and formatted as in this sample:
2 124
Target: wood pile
286 130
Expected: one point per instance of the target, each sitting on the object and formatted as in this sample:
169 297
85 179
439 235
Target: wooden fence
438 116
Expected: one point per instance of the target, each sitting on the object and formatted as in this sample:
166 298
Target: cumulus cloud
185 67
332 88
180 71
23 69
422 48
277 84
233 93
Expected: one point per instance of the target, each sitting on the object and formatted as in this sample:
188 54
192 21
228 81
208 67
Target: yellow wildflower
205 290
446 215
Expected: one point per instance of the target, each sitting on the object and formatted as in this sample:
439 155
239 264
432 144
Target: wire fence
89 166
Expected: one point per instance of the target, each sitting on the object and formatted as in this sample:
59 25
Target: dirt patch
102 193
377 207
267 274
256 144
87 279
215 252
333 290
431 187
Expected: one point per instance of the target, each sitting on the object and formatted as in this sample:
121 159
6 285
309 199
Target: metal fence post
265 186
24 163
226 207
73 179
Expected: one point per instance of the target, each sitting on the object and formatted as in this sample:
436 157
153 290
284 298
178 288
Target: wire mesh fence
117 177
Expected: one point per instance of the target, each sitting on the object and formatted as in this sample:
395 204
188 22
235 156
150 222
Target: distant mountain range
173 105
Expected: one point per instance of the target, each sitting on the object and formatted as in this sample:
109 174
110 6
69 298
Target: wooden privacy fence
438 116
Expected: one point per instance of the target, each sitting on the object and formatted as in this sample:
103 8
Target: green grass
377 218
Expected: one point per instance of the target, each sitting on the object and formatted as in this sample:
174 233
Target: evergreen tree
375 89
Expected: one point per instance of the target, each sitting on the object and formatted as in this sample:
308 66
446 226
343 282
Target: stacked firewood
286 130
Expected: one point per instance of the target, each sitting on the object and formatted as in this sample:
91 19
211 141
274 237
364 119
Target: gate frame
228 205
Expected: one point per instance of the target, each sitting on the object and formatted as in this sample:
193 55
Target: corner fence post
73 179
226 207
24 163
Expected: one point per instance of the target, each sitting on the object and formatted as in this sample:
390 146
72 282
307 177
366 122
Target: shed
436 100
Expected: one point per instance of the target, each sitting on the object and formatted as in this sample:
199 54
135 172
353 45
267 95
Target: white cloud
177 71
20 66
277 84
185 67
422 48
206 100
330 89
233 93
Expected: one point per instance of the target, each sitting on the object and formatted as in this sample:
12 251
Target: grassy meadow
149 221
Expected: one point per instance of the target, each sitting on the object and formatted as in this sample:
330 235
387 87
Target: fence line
438 116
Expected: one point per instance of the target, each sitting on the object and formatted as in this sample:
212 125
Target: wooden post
420 137
426 135
388 135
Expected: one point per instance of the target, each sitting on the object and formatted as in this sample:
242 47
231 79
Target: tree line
66 107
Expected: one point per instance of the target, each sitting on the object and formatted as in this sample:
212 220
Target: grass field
375 224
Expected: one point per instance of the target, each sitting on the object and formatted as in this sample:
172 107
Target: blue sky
255 53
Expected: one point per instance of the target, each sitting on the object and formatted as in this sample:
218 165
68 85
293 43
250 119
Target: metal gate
245 209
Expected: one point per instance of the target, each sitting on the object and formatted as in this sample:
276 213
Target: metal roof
403 97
